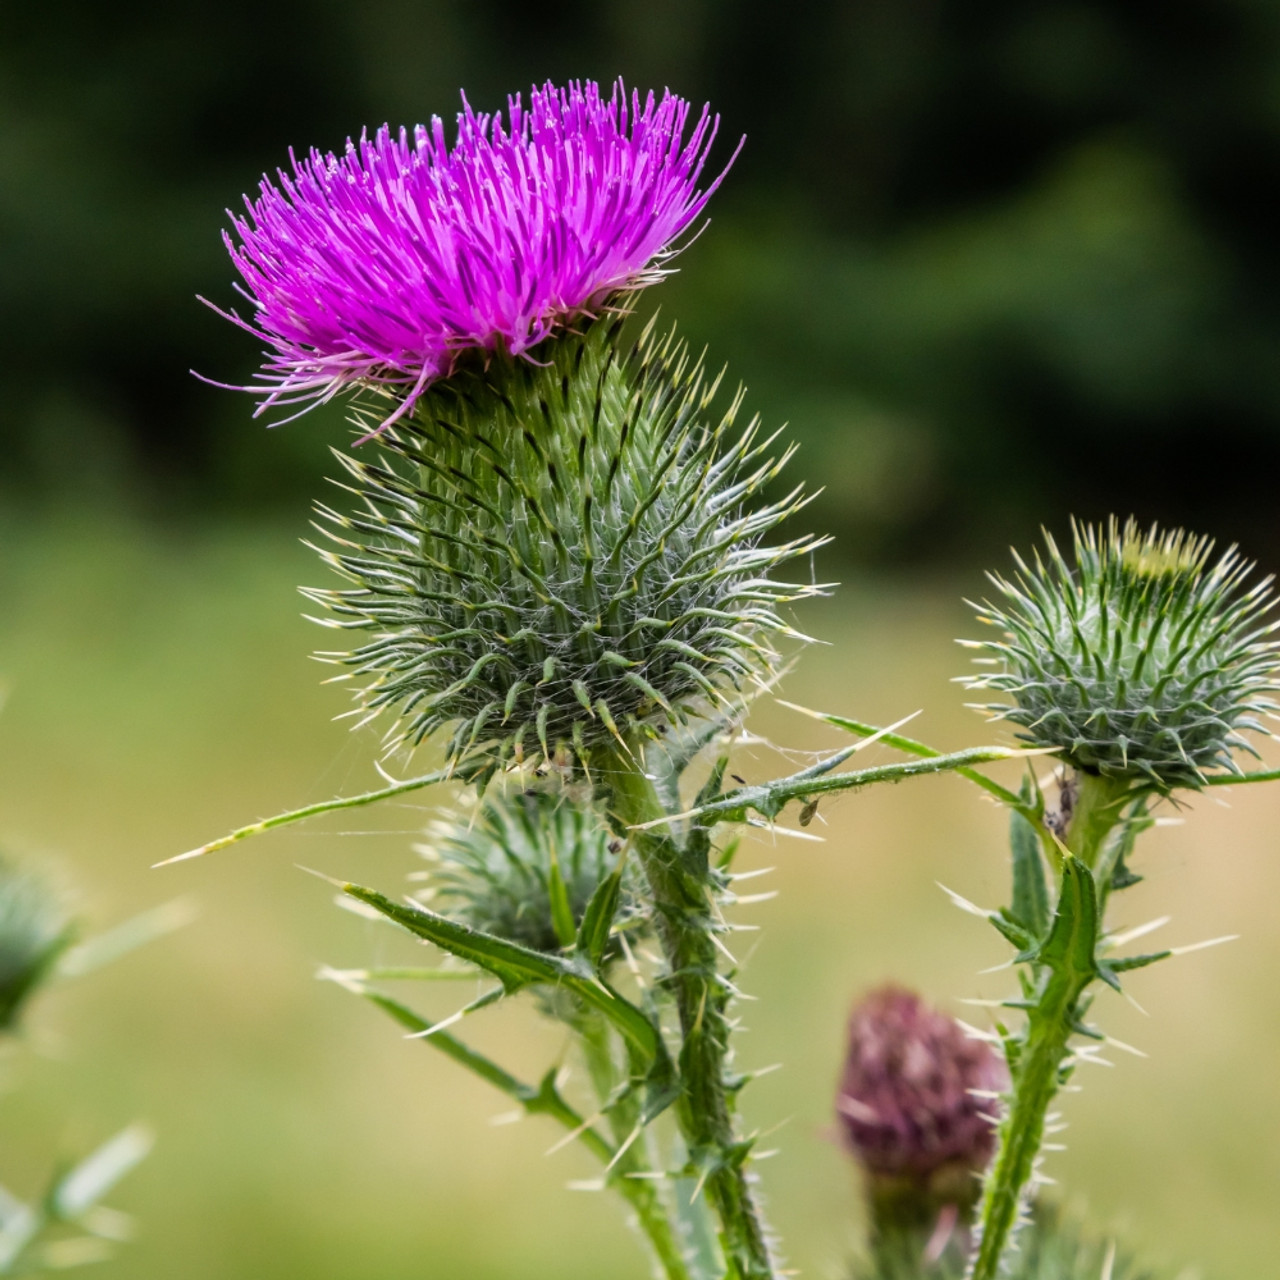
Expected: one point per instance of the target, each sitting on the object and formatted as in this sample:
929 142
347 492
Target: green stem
770 798
1063 967
1022 1130
462 773
642 1193
1234 779
1099 804
682 889
914 748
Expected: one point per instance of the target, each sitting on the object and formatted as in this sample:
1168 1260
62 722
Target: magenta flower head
916 1095
386 265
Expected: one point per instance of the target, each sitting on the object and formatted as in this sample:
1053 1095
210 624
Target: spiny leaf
1068 950
517 967
542 1099
1030 888
911 747
561 911
597 920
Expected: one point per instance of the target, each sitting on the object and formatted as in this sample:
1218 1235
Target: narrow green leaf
597 919
1129 963
517 967
513 965
1030 887
535 1100
463 772
561 910
711 789
397 973
1012 930
1234 779
725 860
911 747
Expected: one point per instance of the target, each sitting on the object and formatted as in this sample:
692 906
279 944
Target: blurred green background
994 263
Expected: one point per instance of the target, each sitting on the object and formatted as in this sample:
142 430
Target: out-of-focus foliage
968 248
68 1225
34 931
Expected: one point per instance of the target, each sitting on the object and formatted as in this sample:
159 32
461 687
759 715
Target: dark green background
995 262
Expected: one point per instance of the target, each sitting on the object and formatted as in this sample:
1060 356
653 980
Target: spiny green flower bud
1143 662
550 556
34 931
525 867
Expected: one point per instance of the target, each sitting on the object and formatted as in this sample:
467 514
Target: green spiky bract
1144 661
550 556
526 867
34 931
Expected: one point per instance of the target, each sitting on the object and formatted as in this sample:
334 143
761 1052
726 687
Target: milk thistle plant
561 559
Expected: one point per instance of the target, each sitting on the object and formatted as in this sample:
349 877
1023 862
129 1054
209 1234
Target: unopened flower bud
550 557
1144 661
525 867
916 1095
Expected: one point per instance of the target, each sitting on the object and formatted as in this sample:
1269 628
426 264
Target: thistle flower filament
388 264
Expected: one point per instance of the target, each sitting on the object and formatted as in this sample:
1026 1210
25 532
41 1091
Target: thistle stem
682 890
652 1212
1099 803
1063 969
1021 1132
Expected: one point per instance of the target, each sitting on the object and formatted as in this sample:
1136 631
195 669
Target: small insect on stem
808 812
1058 820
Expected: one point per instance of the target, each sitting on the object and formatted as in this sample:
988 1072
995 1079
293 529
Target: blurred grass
160 695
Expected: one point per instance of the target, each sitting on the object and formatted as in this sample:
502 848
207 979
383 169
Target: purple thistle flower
385 265
907 1100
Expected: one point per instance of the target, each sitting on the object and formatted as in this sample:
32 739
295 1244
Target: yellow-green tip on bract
1145 659
553 556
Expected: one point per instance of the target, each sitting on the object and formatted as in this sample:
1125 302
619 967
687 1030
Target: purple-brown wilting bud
915 1098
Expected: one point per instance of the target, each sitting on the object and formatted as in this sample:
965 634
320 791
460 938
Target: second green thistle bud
1143 662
